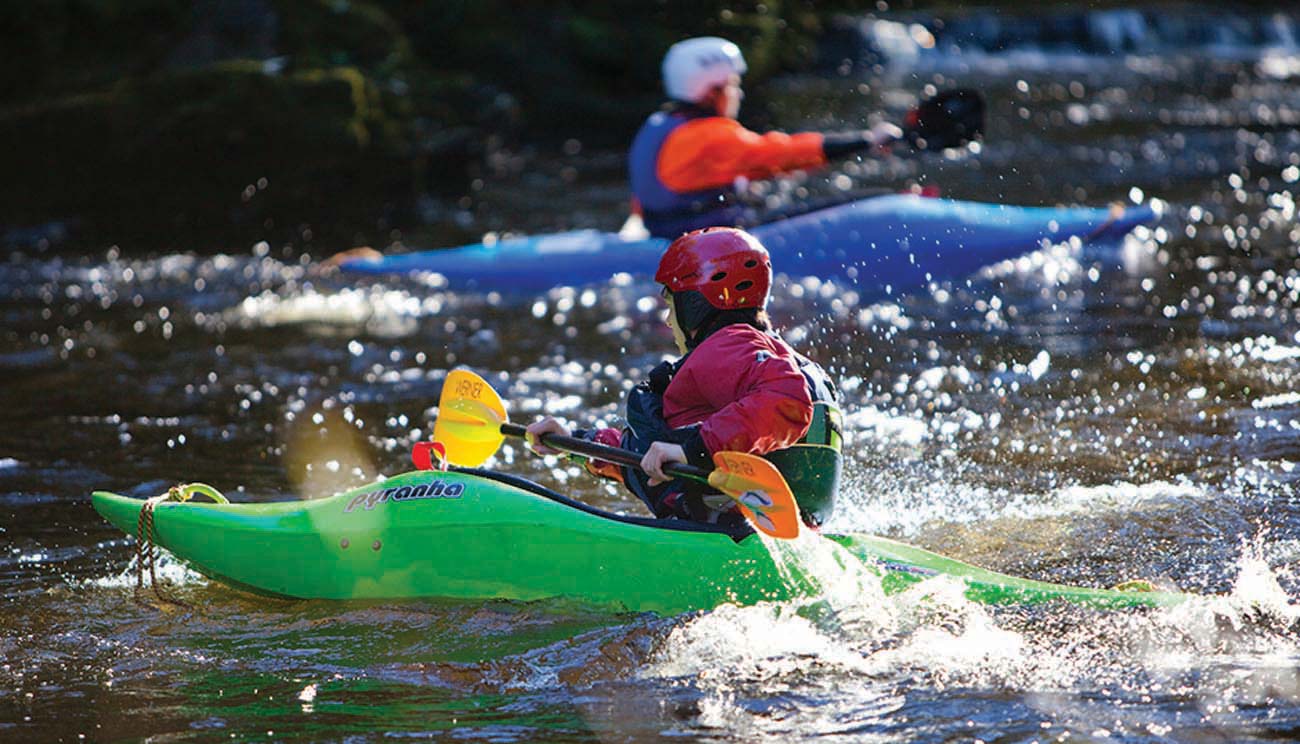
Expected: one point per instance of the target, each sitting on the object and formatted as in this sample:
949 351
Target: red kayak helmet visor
728 267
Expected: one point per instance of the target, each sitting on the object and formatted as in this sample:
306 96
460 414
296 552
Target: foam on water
1267 349
874 501
171 572
1236 649
383 312
896 429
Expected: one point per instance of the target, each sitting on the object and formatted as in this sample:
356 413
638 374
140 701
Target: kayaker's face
679 336
728 97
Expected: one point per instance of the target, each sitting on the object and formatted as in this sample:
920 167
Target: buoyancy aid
668 213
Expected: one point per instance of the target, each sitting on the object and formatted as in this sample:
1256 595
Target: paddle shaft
603 452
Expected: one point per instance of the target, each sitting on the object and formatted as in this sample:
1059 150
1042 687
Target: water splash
1217 652
170 570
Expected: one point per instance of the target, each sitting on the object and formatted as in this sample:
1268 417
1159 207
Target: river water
1081 415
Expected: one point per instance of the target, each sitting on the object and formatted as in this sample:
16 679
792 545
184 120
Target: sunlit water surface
1085 416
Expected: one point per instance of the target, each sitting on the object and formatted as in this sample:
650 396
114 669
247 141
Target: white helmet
695 66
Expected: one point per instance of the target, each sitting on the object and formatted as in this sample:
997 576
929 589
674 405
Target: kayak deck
479 535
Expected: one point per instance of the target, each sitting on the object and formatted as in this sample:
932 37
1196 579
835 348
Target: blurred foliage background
194 125
115 109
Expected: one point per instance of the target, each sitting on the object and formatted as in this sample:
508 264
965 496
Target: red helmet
727 266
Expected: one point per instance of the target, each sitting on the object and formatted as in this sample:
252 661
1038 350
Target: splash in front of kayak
750 667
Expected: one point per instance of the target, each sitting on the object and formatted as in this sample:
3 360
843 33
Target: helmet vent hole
751 263
718 276
742 286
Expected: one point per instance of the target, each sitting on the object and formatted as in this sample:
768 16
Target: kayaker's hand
883 135
659 455
548 425
364 253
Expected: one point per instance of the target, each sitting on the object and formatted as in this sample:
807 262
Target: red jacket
746 390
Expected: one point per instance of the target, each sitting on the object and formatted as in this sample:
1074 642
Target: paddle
472 424
948 119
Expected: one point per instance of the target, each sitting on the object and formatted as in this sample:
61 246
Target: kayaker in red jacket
687 158
738 387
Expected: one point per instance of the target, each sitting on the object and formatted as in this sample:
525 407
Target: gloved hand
884 134
876 139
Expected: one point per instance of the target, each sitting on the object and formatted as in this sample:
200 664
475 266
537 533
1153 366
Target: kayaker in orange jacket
687 158
738 386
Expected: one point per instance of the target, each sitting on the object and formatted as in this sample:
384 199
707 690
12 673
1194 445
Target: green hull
464 535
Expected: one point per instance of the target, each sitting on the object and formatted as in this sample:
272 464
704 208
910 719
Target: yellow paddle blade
470 414
759 490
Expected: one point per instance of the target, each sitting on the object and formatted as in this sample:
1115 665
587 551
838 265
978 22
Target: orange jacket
714 151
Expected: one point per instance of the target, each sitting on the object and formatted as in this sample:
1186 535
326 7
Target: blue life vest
668 213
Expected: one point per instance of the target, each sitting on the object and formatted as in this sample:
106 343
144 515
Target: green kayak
476 534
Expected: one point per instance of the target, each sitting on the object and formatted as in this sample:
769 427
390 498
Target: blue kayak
894 244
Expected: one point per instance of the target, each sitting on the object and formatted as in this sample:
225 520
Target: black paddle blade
950 119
